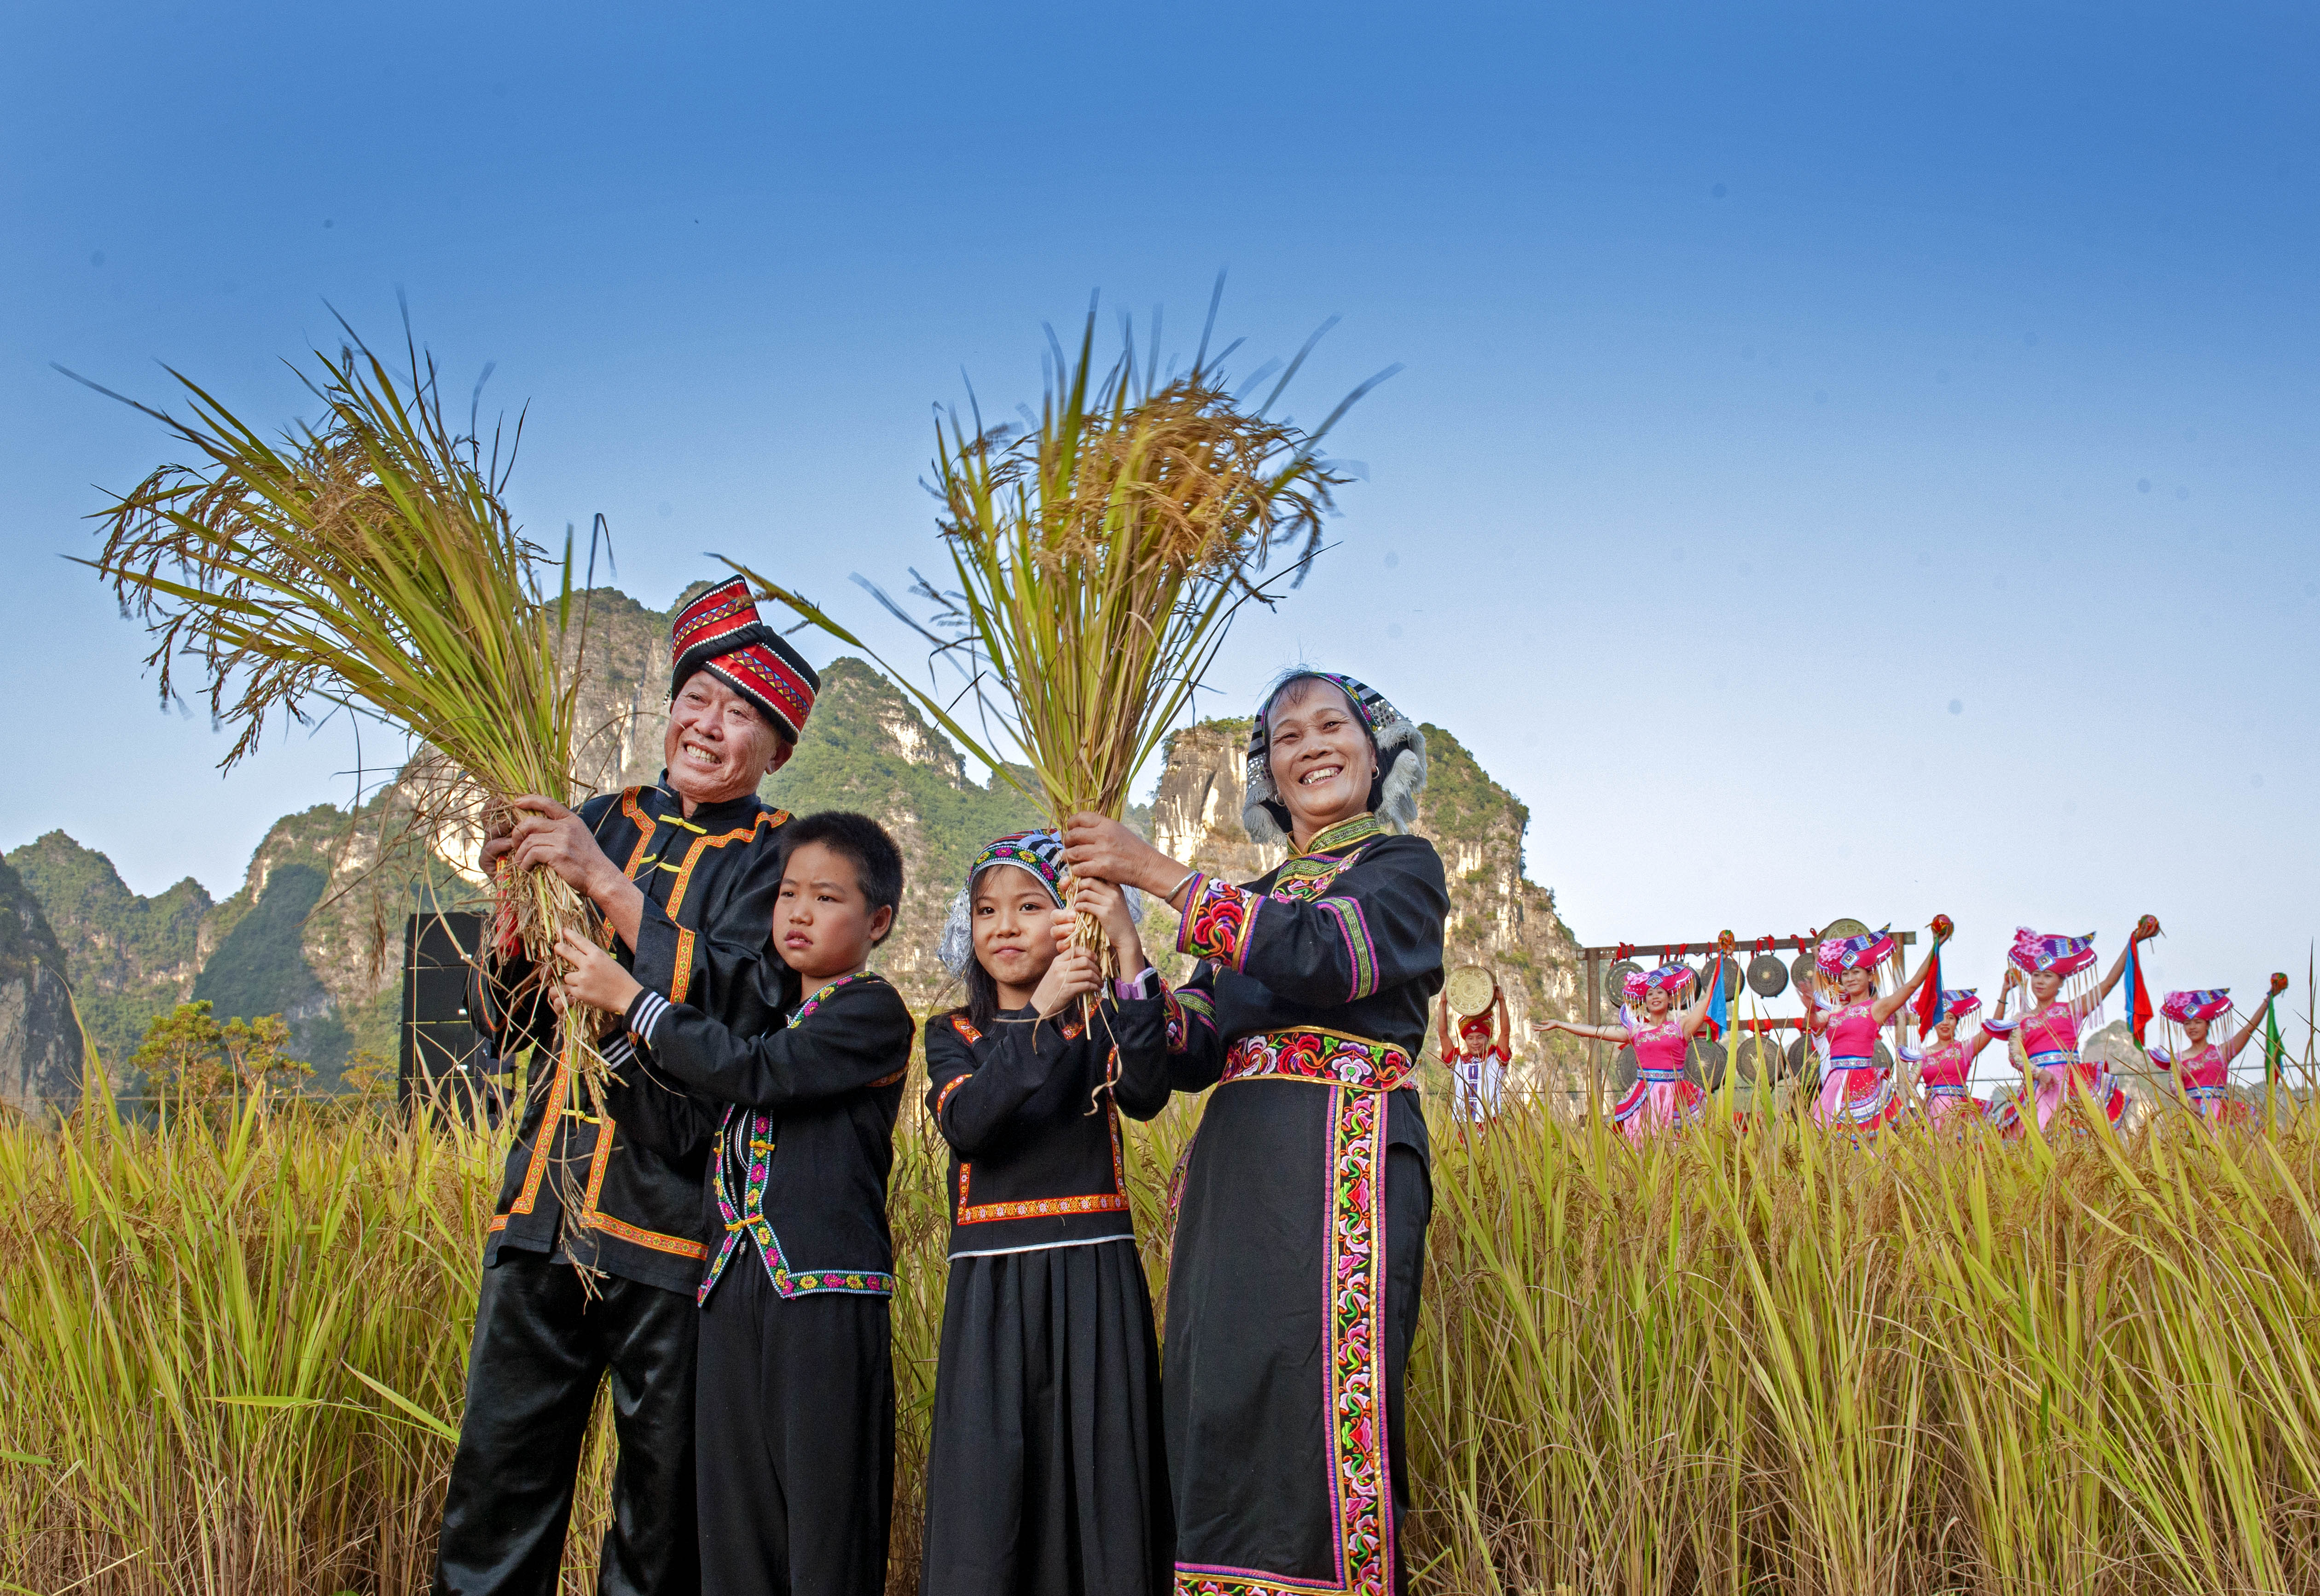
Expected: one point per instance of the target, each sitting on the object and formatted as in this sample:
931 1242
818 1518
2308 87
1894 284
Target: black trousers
796 1439
541 1347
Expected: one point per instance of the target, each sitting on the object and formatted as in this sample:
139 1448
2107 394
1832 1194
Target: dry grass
1729 1363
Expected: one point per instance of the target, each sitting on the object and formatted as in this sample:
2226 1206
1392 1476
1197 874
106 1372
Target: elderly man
685 875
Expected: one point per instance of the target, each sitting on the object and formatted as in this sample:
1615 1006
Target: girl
1945 1067
2203 1069
1843 1011
1046 1473
2049 1025
1662 1096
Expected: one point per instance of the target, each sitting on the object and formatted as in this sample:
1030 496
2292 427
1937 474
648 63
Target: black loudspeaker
445 1059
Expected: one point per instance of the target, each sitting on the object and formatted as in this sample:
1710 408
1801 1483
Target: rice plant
1100 556
1759 1361
367 563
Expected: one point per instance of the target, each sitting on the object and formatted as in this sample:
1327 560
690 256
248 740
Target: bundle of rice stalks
367 563
1099 558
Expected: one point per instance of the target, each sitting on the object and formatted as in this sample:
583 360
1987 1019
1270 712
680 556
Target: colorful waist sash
1330 1058
1932 1091
2060 1059
1661 1077
2205 1093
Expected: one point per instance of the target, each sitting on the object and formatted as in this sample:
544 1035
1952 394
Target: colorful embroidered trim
1359 950
1175 1005
1219 918
749 1217
1352 1285
1304 879
1328 1056
1114 1201
1361 828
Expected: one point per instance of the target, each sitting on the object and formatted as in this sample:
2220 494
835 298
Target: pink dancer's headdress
1670 979
1837 954
2032 954
2210 1003
1957 1005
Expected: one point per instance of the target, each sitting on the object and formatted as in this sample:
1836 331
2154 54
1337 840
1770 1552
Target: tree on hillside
190 1059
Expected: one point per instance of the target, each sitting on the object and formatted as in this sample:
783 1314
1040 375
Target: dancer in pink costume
1662 1097
2048 1030
1945 1067
1843 1011
2203 1069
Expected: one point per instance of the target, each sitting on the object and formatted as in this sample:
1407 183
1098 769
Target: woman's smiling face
1320 754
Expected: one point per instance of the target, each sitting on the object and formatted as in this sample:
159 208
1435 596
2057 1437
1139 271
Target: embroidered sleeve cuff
1219 920
645 1012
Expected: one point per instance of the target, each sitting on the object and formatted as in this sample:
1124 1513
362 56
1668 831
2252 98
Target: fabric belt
2204 1093
1330 1058
1945 1091
1850 1063
1659 1077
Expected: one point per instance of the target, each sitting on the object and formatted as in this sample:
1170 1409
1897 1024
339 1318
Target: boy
794 1409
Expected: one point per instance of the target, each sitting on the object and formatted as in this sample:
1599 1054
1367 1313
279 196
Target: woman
1945 1067
1662 1096
2203 1069
2048 1030
1045 1473
1301 1233
1844 1011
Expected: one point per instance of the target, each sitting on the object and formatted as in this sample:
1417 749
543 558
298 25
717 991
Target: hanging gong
1804 1062
1615 983
1470 990
1621 1075
1842 929
1767 976
1703 1062
1801 969
1760 1061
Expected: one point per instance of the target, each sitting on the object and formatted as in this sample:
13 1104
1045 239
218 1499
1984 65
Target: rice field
232 1358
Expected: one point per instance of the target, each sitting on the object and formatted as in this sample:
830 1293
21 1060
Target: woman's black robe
1300 1227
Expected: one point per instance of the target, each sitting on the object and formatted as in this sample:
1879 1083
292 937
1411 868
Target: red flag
1929 996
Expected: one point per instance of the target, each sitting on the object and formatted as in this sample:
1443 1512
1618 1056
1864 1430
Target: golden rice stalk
367 563
1099 558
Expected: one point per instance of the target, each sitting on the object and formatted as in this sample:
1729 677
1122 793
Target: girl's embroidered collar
1344 835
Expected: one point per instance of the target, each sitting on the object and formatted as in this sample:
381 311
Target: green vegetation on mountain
866 748
130 959
315 932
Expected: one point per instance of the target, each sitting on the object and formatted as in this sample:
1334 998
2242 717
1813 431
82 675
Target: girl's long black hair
982 995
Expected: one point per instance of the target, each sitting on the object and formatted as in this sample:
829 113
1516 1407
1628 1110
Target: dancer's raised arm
1887 1006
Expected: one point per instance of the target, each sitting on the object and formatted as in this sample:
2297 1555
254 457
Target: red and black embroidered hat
721 633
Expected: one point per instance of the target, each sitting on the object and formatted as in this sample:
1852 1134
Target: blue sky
1849 460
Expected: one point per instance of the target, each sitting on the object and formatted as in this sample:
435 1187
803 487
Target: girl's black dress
1046 1472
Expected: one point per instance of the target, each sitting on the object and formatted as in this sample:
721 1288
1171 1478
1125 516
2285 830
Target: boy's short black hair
862 843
